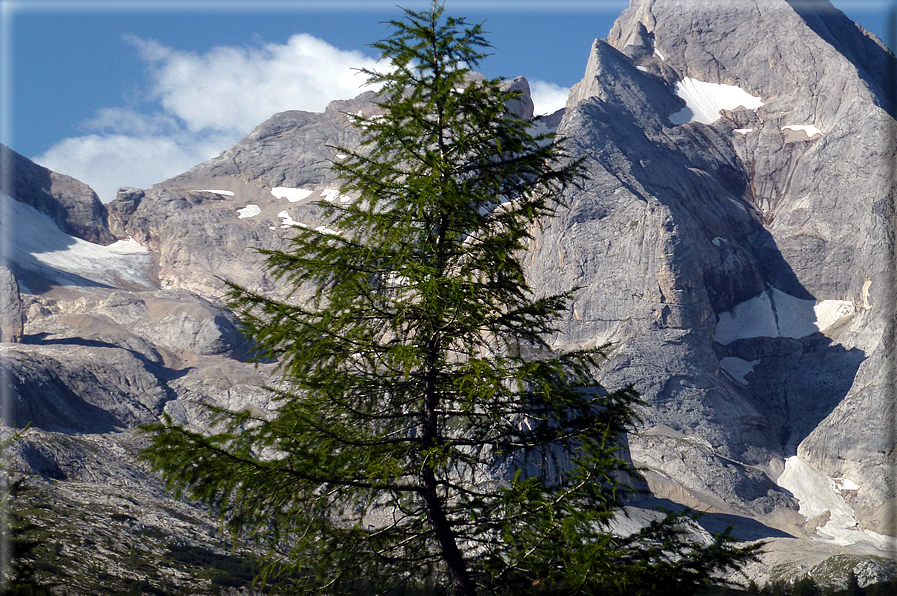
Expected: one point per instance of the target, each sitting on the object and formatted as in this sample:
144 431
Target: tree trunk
462 585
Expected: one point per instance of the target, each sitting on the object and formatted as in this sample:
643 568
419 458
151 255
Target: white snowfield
743 131
293 195
248 211
36 244
811 130
703 101
777 314
227 193
817 494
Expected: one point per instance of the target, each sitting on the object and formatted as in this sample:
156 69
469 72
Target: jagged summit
766 44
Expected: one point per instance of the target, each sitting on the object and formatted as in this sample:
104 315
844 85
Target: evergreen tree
806 586
853 585
426 435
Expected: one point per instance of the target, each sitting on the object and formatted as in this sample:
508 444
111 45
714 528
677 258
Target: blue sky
129 92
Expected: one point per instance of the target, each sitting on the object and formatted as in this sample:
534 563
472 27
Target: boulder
11 315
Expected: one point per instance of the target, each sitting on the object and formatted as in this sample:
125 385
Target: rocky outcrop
11 319
73 205
207 224
194 223
88 390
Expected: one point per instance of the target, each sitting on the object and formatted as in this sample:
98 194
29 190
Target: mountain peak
767 46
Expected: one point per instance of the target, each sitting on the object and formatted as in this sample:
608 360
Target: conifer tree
426 436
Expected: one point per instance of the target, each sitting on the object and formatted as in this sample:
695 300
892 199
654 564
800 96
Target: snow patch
703 101
373 118
127 247
326 230
843 484
828 312
293 195
226 193
248 211
642 68
751 318
341 156
811 130
330 195
743 131
777 314
866 285
39 245
540 126
738 368
796 317
659 55
719 239
288 221
816 493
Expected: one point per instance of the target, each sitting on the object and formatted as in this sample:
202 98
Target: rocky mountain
763 239
734 245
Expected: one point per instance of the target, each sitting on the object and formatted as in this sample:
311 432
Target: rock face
73 205
738 257
211 220
201 224
11 321
733 243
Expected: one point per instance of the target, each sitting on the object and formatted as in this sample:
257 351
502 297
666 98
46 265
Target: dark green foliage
427 438
17 575
853 585
806 586
227 570
881 589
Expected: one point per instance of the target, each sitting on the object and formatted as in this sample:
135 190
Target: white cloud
548 97
239 88
131 122
208 102
107 162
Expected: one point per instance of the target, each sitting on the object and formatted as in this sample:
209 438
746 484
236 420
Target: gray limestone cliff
738 258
